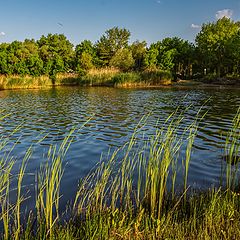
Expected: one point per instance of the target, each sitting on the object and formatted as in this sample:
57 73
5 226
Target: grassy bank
229 79
112 77
134 193
20 82
98 77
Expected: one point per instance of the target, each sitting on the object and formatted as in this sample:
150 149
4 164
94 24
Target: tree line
216 52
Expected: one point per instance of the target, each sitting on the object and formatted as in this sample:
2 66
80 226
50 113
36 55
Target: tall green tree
176 55
123 59
213 44
139 52
113 40
151 58
57 53
4 55
85 56
32 59
233 54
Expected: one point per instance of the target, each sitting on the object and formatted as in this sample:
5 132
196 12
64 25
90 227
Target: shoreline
116 80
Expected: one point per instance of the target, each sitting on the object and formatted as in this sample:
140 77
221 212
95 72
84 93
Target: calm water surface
52 113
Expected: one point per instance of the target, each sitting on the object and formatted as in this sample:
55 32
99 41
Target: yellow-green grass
132 194
114 77
21 82
94 77
30 82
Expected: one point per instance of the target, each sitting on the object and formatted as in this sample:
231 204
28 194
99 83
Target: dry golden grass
19 82
103 71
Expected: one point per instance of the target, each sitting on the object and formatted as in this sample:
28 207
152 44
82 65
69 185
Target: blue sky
149 20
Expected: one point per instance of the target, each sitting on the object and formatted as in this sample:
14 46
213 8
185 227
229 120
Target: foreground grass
132 194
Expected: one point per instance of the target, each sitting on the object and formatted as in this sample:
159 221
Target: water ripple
47 116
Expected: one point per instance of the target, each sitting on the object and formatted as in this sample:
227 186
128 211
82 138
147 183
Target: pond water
49 115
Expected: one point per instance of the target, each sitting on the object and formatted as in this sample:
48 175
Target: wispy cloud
195 26
158 1
224 13
2 33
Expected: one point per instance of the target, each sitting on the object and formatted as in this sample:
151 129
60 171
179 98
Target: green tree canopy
139 51
113 40
234 53
20 58
57 53
85 56
151 58
123 59
213 43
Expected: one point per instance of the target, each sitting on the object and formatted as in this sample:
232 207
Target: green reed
130 194
48 188
5 176
232 151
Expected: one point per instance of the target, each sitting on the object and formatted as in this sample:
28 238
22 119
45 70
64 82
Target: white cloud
2 33
195 26
158 1
224 13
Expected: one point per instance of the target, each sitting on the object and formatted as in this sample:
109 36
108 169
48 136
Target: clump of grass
48 189
122 79
93 77
99 77
20 82
142 179
67 79
5 176
156 76
130 195
126 79
232 152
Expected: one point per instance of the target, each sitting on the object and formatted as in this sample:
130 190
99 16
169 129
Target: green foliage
130 77
113 40
215 54
215 43
57 54
233 47
167 59
85 58
130 194
171 54
122 60
20 58
139 51
85 62
151 58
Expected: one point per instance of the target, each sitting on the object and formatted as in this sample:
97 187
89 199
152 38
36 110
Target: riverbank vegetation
214 57
139 191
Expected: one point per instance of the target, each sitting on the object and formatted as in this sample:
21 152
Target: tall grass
136 192
114 77
5 176
94 77
232 151
20 82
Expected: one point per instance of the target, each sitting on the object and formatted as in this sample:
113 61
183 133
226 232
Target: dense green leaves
85 56
139 53
122 59
57 53
216 45
217 53
113 40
